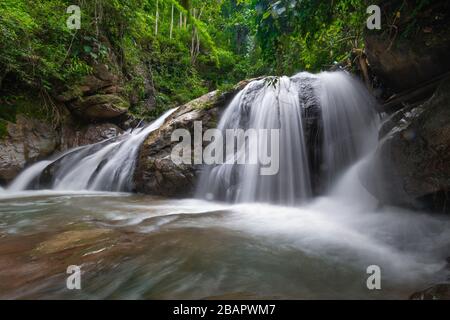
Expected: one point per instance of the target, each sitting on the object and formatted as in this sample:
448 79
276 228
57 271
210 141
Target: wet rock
313 128
155 172
436 292
72 239
411 166
28 140
72 136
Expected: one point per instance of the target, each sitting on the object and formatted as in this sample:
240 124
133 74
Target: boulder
405 66
412 46
27 140
155 172
97 97
411 166
71 136
100 107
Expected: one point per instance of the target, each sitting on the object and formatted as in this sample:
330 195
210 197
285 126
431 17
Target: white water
23 180
262 106
107 165
349 130
350 124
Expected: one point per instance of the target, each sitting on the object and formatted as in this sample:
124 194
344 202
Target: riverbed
132 246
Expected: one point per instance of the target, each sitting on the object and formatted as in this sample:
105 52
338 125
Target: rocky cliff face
29 140
412 163
97 97
412 46
94 109
409 57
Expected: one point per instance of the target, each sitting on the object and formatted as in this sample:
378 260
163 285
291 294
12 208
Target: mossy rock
28 105
101 107
3 128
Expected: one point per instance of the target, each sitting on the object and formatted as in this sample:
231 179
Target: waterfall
350 126
326 122
31 173
107 165
263 104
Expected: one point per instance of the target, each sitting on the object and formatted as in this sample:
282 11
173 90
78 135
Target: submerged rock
411 166
72 239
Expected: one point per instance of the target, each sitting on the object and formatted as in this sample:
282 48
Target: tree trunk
193 38
171 23
157 17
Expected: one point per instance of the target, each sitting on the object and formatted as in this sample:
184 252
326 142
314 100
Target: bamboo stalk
171 23
156 18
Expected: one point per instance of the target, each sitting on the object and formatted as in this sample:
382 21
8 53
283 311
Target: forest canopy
188 46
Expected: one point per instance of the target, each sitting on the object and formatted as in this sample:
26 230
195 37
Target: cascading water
349 122
107 165
326 122
263 106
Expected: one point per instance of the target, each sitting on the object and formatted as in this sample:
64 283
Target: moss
227 87
3 128
30 105
207 104
106 99
8 112
72 93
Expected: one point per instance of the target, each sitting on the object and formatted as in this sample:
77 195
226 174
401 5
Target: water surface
141 247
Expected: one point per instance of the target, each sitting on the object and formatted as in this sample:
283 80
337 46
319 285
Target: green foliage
308 35
34 42
26 104
3 128
198 45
